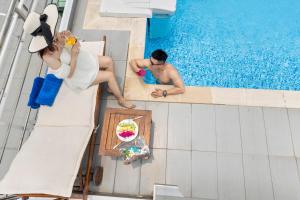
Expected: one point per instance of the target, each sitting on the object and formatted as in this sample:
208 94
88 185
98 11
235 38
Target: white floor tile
230 176
278 132
294 118
179 170
159 123
204 175
253 131
258 181
285 178
153 171
127 179
109 171
203 127
179 126
228 129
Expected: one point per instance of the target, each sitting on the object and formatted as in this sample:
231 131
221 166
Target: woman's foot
126 104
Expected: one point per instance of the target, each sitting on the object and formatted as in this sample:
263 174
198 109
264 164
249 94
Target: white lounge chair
119 8
137 8
164 7
48 163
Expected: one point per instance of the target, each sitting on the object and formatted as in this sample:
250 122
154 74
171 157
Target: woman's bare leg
106 63
108 76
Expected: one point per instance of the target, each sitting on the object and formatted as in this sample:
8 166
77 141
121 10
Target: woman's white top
85 73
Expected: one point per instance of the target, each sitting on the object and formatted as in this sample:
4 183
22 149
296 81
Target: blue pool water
235 43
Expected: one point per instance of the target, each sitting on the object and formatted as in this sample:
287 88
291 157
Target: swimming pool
235 44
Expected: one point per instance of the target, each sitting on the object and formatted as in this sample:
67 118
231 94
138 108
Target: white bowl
136 130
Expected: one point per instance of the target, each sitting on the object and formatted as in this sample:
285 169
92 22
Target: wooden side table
112 117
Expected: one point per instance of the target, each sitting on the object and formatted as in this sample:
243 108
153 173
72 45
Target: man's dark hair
159 55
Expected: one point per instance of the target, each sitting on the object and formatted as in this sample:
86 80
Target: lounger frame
84 179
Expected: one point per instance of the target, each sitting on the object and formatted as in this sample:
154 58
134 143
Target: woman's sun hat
41 27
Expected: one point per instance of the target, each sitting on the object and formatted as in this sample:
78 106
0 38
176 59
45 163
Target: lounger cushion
49 160
71 108
96 48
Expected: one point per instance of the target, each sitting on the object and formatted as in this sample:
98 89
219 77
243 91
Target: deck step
166 191
95 197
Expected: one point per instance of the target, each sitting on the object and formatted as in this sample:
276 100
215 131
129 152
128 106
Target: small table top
112 117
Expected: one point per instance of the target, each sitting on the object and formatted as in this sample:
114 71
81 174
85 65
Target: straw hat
41 27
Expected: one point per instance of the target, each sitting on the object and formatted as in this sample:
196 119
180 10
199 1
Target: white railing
67 18
12 17
6 23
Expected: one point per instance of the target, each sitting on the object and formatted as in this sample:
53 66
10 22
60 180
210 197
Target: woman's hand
75 49
67 33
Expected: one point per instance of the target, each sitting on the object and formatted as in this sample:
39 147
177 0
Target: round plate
132 126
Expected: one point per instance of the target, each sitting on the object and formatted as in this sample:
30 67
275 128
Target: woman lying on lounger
77 67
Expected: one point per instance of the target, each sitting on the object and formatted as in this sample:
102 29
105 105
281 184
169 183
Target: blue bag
37 85
49 90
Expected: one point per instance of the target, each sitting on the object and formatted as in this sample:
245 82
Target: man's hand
141 73
137 65
157 93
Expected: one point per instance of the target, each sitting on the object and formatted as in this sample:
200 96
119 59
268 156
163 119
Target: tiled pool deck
213 152
209 151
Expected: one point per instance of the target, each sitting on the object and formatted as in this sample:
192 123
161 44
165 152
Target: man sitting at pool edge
163 72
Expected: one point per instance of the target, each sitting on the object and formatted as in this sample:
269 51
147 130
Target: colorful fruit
126 134
71 41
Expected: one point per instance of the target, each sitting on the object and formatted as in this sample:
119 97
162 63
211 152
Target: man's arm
137 64
177 89
178 84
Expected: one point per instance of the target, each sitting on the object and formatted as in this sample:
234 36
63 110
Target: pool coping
136 89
